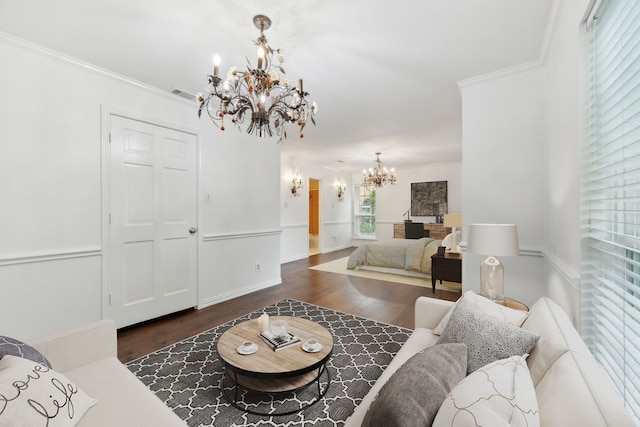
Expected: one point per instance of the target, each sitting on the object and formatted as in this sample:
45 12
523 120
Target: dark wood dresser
436 231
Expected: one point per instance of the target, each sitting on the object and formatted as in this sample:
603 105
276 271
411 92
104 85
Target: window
365 217
610 197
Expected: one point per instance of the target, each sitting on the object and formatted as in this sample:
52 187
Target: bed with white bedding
409 257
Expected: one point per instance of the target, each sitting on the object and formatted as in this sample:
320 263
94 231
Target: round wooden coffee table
274 372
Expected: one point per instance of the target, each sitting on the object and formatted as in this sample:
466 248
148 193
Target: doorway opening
314 216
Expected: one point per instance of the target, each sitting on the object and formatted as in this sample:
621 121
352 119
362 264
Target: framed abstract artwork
429 198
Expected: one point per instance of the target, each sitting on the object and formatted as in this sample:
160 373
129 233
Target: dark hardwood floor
374 299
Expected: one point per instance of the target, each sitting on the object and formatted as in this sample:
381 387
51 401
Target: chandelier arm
213 119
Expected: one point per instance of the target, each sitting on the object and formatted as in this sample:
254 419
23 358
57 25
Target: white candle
263 322
216 66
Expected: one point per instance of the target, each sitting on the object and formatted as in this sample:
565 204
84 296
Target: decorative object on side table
453 221
493 240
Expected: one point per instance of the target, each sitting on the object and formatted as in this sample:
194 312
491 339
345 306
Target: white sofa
87 355
570 387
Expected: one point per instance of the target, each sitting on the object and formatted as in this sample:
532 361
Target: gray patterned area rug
188 375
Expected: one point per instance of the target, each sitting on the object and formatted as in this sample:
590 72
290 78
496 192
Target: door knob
193 230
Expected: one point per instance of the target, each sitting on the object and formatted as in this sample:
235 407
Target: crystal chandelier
260 95
379 176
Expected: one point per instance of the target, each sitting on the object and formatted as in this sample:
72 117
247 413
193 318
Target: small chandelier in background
296 184
259 94
341 186
379 176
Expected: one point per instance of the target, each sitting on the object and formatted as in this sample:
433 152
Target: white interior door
153 208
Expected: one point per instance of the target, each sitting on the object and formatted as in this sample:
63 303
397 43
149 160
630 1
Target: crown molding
549 33
87 66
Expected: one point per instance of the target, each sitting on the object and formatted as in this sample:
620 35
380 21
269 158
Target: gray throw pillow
13 347
415 392
487 338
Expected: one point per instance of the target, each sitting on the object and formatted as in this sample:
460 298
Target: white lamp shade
452 220
493 239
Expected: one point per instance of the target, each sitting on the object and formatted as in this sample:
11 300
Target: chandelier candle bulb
260 57
216 66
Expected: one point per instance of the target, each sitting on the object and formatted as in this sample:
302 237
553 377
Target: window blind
610 194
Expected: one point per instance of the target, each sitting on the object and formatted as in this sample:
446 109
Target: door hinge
109 137
109 219
110 299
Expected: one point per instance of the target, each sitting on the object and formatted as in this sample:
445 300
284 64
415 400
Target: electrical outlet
258 266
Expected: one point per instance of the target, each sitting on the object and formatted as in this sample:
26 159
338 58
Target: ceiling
383 72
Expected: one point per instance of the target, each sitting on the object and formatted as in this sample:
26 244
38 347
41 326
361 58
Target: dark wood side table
446 267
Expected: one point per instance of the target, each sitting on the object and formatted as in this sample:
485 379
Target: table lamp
453 221
493 240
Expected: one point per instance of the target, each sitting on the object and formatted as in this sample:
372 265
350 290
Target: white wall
563 123
503 172
335 220
521 163
50 169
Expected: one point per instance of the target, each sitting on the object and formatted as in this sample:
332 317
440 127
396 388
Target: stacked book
279 342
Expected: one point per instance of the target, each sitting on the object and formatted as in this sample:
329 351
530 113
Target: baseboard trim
294 258
337 248
337 222
238 293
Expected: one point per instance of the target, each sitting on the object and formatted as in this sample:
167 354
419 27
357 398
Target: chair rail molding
570 275
240 235
338 222
293 226
50 256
